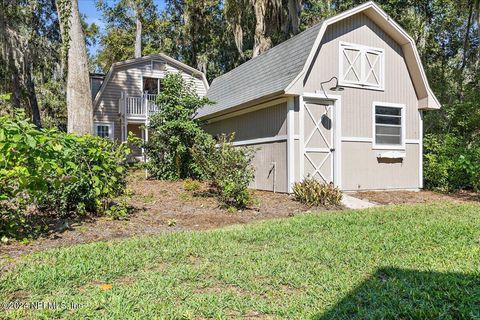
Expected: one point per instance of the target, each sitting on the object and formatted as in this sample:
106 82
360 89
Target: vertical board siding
357 102
128 79
361 170
263 123
266 155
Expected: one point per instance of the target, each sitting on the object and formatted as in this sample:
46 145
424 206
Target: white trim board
290 143
370 140
260 140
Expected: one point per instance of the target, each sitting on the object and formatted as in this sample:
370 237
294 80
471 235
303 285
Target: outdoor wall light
334 88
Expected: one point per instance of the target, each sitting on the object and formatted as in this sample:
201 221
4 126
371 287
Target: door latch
332 149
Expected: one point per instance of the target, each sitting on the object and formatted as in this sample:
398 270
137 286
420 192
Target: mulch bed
403 197
158 207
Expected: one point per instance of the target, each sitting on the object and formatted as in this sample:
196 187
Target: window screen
388 125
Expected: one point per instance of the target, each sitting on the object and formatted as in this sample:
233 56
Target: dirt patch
404 197
159 207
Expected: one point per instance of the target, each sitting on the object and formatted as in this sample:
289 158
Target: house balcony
135 108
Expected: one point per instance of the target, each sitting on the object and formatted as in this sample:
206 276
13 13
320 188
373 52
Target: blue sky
87 7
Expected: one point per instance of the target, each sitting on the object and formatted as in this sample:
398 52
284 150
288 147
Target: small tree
173 131
228 168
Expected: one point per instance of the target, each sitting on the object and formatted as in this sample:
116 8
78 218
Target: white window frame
159 61
374 128
152 77
110 125
363 52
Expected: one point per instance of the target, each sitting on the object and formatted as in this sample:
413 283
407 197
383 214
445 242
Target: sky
87 7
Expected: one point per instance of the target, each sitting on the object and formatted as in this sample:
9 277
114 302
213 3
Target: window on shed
389 125
361 66
159 65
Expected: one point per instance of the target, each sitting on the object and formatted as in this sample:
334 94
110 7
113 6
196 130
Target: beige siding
266 156
359 165
363 171
128 79
357 102
263 123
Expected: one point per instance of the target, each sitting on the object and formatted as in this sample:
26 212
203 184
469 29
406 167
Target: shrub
313 193
173 131
191 185
450 163
55 172
228 169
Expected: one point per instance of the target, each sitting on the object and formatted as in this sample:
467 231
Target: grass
393 262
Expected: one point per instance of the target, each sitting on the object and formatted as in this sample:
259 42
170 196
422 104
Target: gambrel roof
182 66
266 74
276 71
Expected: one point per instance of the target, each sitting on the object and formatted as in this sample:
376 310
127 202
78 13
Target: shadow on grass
393 293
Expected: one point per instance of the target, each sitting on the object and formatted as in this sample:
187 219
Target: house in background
341 102
124 98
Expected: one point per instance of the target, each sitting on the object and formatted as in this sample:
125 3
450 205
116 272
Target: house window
104 130
361 66
389 126
159 65
151 85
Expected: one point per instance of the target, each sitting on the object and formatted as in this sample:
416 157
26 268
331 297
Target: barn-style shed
341 101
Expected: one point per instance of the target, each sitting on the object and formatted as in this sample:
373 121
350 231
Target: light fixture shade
337 88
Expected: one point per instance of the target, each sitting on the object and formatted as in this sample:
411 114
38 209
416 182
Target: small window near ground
361 66
104 130
389 126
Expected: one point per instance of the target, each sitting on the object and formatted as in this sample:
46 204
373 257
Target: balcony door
151 85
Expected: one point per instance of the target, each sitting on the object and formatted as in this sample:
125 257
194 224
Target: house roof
263 75
194 72
277 70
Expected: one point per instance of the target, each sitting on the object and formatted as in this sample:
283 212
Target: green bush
313 193
191 185
450 163
229 170
56 172
173 131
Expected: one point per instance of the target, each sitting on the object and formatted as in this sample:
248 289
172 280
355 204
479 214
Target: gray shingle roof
269 73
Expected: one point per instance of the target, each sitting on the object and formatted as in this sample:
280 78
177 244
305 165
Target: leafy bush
450 163
173 130
313 193
228 169
55 172
191 185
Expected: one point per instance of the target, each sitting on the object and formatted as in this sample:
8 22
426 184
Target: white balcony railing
138 106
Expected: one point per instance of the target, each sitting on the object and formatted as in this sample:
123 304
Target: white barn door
319 141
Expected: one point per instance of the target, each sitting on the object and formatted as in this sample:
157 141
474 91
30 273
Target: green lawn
392 262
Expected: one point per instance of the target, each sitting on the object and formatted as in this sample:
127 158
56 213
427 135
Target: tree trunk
294 12
79 96
261 42
31 95
138 32
465 49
